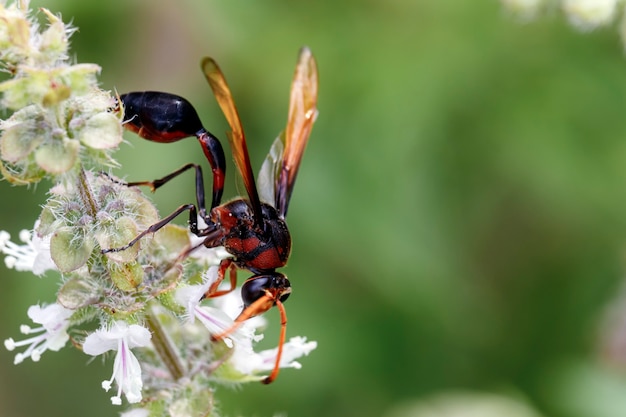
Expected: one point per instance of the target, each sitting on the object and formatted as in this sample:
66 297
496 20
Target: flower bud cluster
142 301
58 108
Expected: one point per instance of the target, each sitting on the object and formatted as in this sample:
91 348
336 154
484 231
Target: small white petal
209 277
95 345
133 397
190 297
138 336
57 340
215 320
230 303
49 316
103 340
129 378
136 412
43 262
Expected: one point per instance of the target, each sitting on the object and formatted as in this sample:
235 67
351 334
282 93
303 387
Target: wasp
251 228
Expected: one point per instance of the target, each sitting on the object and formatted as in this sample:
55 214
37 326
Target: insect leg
281 342
193 226
214 153
252 310
199 186
212 292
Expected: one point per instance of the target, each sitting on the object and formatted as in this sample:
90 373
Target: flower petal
138 336
98 342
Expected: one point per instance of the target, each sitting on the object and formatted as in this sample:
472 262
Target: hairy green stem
164 346
86 194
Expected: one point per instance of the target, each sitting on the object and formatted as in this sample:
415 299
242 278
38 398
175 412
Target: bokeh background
458 220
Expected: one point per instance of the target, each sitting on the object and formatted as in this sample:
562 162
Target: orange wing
237 140
302 115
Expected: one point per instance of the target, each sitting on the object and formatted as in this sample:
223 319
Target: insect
252 229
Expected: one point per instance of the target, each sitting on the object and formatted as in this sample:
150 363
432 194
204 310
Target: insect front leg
193 226
225 264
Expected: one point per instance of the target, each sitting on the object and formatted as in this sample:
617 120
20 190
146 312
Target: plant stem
86 194
163 346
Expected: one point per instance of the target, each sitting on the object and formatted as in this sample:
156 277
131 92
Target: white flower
216 320
589 14
126 370
244 359
33 256
53 332
295 348
248 362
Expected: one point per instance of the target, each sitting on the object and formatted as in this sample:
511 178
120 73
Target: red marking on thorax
268 259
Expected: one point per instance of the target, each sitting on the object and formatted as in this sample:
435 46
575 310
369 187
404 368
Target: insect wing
268 175
302 115
236 137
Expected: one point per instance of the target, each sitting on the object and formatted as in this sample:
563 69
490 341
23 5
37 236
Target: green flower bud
54 40
126 276
14 32
29 88
80 78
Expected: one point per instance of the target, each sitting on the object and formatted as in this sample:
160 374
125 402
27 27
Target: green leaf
77 293
126 276
119 235
69 249
101 131
58 156
19 140
173 239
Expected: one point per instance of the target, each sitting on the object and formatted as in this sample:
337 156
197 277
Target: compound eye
284 296
286 290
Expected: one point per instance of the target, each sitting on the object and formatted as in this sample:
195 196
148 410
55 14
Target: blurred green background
458 220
